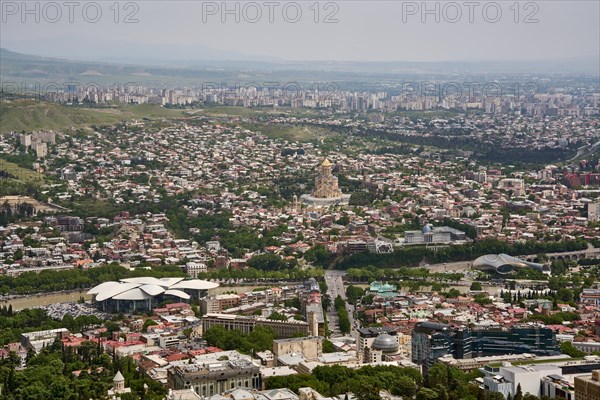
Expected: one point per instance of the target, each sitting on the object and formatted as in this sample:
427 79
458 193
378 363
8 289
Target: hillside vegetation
29 115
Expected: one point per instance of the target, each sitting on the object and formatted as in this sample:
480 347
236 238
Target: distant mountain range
124 52
165 71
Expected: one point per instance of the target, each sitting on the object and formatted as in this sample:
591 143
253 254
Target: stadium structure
504 264
145 293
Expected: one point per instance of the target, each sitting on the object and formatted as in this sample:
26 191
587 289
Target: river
64 297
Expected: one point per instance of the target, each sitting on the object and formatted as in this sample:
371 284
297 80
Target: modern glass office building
431 341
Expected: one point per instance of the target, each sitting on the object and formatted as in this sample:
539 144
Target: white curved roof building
503 264
145 293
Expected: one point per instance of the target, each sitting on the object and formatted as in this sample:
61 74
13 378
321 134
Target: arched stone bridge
566 255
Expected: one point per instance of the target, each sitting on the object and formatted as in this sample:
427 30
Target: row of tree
343 318
440 382
291 274
365 382
371 273
414 255
53 281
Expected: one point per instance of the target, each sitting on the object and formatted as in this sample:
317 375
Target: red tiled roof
176 357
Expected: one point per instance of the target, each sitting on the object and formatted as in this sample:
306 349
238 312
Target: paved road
335 287
585 149
459 266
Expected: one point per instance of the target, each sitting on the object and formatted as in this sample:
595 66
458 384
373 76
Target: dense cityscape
279 227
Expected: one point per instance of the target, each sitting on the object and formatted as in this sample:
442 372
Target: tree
570 350
267 262
354 293
482 299
518 393
317 255
275 316
368 299
334 374
437 376
10 381
368 390
30 355
260 339
294 302
404 386
343 220
427 394
147 323
476 286
565 294
328 346
344 319
18 255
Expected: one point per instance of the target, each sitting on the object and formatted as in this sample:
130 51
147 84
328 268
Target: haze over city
339 31
300 200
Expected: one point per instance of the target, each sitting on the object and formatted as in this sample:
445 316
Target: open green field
20 174
152 111
293 133
297 133
29 115
92 207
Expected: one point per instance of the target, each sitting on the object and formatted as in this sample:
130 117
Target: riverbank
44 299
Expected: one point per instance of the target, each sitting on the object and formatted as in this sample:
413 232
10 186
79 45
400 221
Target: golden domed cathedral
326 185
327 191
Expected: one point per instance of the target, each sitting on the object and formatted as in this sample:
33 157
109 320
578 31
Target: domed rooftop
144 288
503 264
118 377
385 343
426 228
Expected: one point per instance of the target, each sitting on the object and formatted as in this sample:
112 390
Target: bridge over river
590 252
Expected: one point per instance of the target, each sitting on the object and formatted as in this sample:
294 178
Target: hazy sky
366 30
